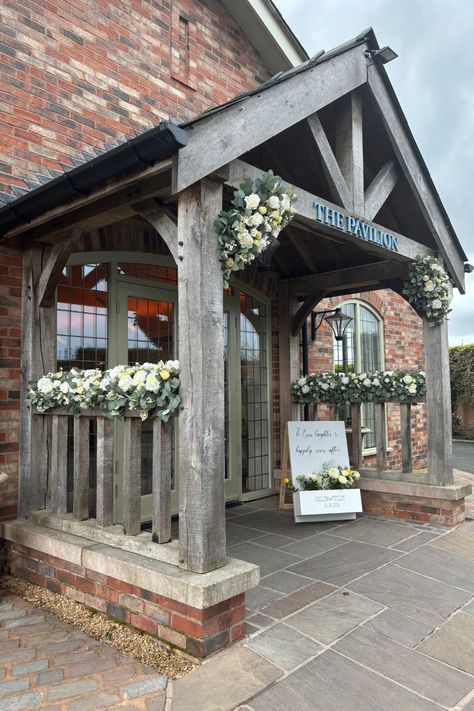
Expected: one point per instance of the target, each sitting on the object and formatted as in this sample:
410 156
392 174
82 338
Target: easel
284 505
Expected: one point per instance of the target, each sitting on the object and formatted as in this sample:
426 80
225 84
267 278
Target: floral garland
329 478
146 388
258 215
428 289
377 386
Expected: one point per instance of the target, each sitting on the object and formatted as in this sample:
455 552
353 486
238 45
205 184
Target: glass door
146 333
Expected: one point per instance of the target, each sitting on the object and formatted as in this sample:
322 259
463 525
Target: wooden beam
161 220
337 184
350 278
350 150
289 360
415 172
299 318
60 253
202 538
298 242
380 188
225 135
305 217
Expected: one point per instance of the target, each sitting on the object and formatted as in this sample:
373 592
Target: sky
433 78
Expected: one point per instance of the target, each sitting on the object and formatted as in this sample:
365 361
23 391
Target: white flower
256 220
245 240
45 385
367 382
305 389
285 202
355 475
412 388
125 383
429 286
64 387
436 304
342 479
152 383
301 382
333 473
376 382
407 379
273 202
252 201
345 380
139 377
324 386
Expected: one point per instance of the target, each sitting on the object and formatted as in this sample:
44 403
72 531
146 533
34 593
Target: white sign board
312 444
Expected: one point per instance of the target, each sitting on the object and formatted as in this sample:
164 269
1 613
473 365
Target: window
360 351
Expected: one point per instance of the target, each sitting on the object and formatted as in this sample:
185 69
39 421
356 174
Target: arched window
360 351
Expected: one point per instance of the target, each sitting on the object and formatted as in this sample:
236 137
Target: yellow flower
256 241
164 374
286 482
262 210
229 263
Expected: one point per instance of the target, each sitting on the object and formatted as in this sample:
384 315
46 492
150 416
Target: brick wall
403 340
10 296
74 75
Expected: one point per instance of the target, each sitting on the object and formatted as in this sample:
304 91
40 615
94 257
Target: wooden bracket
161 219
311 301
60 253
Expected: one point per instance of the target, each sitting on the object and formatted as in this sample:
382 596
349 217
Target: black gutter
156 144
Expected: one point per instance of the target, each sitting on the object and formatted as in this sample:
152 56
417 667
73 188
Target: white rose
324 386
355 475
305 389
252 201
139 377
45 385
285 202
152 383
345 380
245 240
436 304
367 382
376 382
64 387
412 388
429 286
256 220
407 379
273 202
342 479
125 383
333 473
301 382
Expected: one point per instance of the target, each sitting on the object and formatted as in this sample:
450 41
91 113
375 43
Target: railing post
80 507
58 478
405 436
161 523
105 472
132 456
356 458
333 411
380 436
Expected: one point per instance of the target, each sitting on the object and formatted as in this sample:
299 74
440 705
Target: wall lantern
384 55
338 321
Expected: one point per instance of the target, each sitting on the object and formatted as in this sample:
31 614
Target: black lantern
335 318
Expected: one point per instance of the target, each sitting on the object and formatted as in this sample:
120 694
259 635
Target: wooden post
80 506
132 458
161 523
333 411
405 436
105 472
438 404
380 436
58 478
38 356
356 454
289 359
349 149
201 348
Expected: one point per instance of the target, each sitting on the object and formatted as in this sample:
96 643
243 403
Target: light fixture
338 321
384 55
468 268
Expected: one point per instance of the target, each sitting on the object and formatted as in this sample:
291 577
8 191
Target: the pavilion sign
353 226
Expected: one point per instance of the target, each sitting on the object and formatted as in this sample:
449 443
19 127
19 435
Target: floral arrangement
377 386
329 478
259 213
428 289
146 388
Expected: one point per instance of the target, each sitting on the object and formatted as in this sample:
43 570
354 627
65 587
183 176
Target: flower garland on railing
329 478
258 215
377 386
428 289
149 388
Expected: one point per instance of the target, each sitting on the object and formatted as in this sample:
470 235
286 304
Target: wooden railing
132 433
380 432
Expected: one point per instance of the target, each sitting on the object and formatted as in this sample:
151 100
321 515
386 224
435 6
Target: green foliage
461 363
428 289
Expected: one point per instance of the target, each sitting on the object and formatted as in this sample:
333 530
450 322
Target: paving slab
399 628
367 530
328 619
280 523
285 582
422 674
238 534
411 594
453 643
332 683
273 540
345 563
458 541
294 602
443 565
284 646
259 597
313 545
469 608
411 544
224 682
268 559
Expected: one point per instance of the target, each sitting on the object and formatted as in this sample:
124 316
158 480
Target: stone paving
366 615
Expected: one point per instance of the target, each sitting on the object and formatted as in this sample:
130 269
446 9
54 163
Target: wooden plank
80 507
58 256
299 318
285 473
351 278
58 478
380 188
380 436
405 437
162 222
337 184
416 174
105 472
225 135
161 520
132 457
305 218
299 243
349 150
201 347
438 404
356 454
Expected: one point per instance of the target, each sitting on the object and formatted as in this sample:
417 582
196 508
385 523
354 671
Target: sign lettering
352 225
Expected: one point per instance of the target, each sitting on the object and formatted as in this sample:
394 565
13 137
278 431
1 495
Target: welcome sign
353 226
